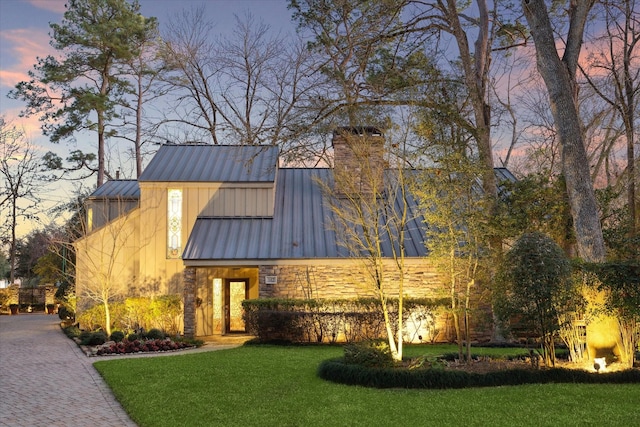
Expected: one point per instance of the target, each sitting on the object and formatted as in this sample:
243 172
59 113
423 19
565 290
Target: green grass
277 386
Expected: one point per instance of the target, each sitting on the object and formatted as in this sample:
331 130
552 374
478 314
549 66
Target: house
219 224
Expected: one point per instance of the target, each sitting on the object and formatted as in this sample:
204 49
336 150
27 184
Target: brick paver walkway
45 379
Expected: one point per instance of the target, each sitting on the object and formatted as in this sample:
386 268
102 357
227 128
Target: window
89 219
174 222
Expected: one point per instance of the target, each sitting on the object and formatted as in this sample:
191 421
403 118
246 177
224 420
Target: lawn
277 386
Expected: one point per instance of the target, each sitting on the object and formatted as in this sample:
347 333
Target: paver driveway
45 380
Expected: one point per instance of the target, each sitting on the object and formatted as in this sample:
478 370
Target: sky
24 35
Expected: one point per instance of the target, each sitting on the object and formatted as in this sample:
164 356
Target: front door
236 290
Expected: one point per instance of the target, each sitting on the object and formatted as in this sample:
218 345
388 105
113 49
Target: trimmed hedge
336 370
317 320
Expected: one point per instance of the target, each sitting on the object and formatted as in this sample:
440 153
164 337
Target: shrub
133 337
336 370
117 336
71 331
65 313
84 337
369 353
324 320
94 338
155 334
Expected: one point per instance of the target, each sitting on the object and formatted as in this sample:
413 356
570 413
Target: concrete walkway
46 380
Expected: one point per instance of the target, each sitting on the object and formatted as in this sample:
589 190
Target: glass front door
236 290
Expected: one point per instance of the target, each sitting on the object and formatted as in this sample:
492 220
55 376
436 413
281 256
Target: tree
242 88
94 39
19 199
536 202
454 208
102 263
620 84
535 286
371 214
145 70
559 75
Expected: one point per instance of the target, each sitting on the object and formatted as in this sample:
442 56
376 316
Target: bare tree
104 259
188 46
145 70
19 199
371 214
620 83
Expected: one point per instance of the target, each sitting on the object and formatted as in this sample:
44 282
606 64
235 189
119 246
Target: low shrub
93 338
136 314
65 314
155 334
72 331
116 336
141 346
84 337
133 336
338 371
375 353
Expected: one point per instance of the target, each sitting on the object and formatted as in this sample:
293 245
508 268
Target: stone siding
189 303
343 281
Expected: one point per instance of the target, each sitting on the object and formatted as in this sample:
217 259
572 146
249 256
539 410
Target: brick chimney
358 160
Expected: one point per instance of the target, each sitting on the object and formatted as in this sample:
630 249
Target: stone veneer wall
189 302
343 280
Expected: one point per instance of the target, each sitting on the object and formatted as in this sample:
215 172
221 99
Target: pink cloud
57 6
30 125
23 47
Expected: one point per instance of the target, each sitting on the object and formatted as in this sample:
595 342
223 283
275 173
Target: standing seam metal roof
301 227
212 163
123 189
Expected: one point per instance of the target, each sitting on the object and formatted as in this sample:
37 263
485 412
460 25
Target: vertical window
174 222
89 219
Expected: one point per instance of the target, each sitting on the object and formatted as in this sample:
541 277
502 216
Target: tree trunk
559 77
107 319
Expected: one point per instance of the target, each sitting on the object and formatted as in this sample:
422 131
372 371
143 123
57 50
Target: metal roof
119 188
212 163
504 174
302 227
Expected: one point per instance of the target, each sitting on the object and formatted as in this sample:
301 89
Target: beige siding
158 274
142 266
238 202
106 260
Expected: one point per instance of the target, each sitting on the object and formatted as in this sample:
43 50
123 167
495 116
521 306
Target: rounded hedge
336 370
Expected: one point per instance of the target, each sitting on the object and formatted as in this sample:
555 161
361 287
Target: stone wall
189 301
348 280
344 280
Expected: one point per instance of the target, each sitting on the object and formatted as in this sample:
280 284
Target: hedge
324 320
336 370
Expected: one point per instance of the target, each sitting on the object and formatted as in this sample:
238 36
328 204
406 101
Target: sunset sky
24 35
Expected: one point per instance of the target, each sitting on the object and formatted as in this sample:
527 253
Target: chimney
358 160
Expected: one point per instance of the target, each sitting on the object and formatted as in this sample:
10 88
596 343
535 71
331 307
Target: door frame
227 302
